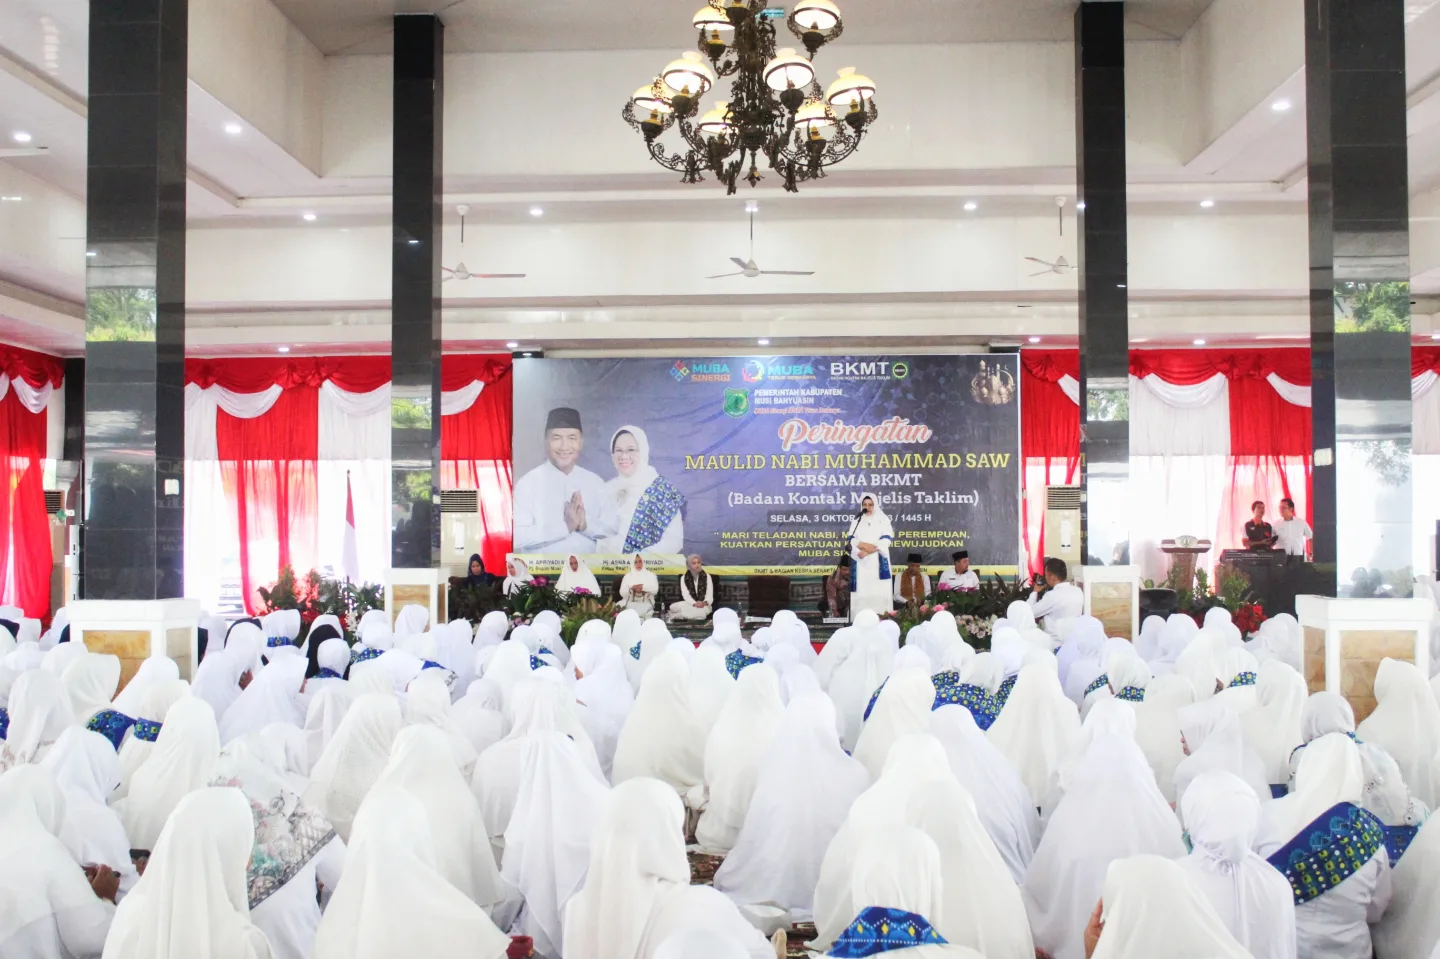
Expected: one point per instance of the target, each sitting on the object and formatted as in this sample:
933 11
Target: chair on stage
768 595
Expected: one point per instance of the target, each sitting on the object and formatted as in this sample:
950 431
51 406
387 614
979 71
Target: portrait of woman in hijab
647 506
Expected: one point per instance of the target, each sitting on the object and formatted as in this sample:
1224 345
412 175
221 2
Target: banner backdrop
759 463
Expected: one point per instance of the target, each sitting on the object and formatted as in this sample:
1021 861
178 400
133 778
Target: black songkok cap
913 558
962 554
562 418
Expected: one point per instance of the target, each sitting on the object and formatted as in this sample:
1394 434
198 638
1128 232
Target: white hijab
1272 725
522 576
492 629
547 842
579 578
217 680
654 640
39 877
1175 637
776 857
1037 728
1148 642
1411 923
1216 742
155 707
1081 658
152 673
1251 897
91 681
636 852
872 526
1279 638
1330 773
1406 724
354 759
87 771
411 620
393 900
192 902
1203 661
734 750
1157 727
39 712
182 761
322 718
641 577
1111 810
1003 803
1152 910
624 491
858 676
902 709
272 697
663 738
711 685
982 906
421 764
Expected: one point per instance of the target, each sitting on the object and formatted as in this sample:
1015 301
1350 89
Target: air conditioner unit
1062 524
459 528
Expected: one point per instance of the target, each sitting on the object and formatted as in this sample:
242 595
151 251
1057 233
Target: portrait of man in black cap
912 583
962 576
558 504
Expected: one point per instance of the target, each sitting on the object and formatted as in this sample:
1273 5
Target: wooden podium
1182 552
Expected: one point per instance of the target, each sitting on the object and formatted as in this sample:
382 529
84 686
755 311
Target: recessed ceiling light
11 199
414 242
1080 205
308 217
511 345
1034 339
764 342
20 136
234 129
537 211
752 206
1199 342
91 253
1207 203
1435 336
971 206
1120 286
282 349
1280 105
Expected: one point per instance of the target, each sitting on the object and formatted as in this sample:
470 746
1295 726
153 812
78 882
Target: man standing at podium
1292 533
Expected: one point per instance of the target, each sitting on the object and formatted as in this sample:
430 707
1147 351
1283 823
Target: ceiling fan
748 267
1061 266
460 271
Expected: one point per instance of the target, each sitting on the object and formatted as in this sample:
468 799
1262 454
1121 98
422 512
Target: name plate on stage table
759 463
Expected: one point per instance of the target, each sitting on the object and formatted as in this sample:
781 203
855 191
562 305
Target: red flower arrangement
1248 618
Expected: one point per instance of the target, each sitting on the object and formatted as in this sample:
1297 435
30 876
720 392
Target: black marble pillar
1103 276
1359 294
134 438
415 290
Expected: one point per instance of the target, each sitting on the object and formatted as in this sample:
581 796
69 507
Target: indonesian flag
350 558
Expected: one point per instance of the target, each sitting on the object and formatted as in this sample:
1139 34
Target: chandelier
777 111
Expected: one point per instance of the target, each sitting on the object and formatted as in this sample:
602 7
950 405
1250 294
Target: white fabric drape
1070 386
354 442
1171 420
1289 392
33 398
206 519
458 401
1425 413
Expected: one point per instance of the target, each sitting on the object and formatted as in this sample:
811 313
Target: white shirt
966 580
899 577
1291 535
540 498
1063 602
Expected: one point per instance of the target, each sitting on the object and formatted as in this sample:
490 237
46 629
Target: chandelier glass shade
777 115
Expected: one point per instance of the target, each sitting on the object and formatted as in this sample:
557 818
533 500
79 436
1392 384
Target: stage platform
820 630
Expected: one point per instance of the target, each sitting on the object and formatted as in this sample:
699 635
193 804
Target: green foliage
534 598
1372 307
992 599
120 314
582 610
316 595
473 602
409 414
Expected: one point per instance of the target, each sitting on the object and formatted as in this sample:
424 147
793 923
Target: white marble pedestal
1112 595
419 587
1345 640
136 629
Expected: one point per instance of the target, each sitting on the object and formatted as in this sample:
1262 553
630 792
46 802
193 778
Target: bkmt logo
900 370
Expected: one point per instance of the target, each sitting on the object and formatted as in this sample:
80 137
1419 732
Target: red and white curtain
1210 432
32 430
272 444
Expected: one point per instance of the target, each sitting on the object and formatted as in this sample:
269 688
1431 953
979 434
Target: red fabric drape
268 465
1049 431
355 374
476 444
1424 358
25 556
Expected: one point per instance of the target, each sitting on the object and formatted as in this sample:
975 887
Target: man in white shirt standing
962 576
1062 602
1292 533
558 504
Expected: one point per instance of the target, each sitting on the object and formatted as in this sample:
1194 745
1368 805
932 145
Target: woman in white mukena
647 506
870 584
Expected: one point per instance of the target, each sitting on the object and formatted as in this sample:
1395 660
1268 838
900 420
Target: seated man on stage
1258 533
836 602
962 576
697 592
913 583
1058 601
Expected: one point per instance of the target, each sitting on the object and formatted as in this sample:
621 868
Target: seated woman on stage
697 592
638 589
1258 533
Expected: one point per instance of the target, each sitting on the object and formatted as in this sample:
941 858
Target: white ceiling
363 26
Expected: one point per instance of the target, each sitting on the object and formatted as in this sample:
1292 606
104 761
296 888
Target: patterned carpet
702 873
